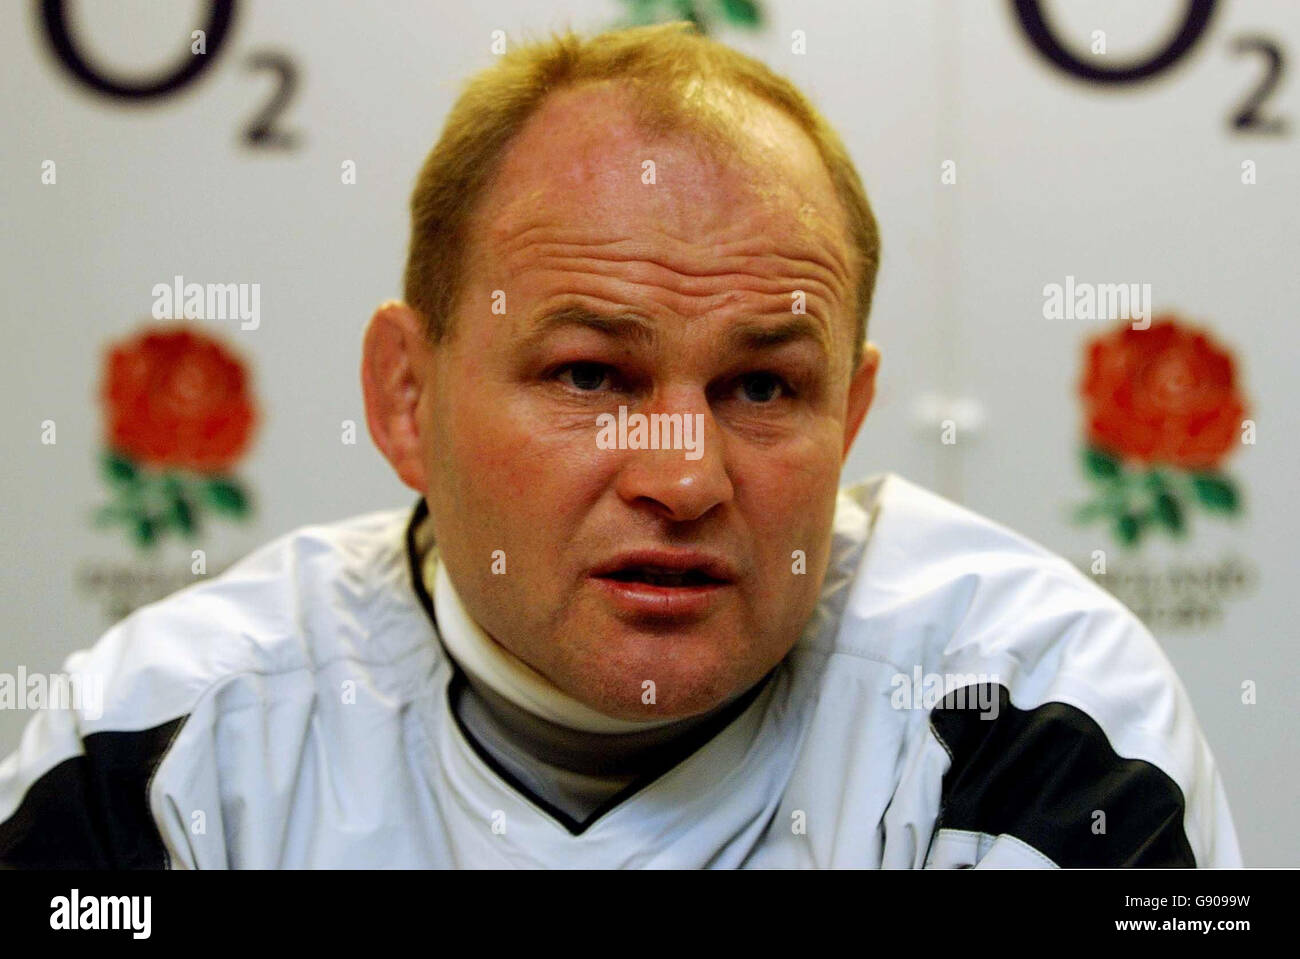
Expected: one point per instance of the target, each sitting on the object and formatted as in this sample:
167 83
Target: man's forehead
583 157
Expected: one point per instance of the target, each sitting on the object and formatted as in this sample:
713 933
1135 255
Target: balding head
680 82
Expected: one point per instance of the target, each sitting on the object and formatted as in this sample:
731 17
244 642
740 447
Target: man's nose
680 484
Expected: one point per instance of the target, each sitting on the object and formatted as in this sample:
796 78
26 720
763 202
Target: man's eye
763 387
587 377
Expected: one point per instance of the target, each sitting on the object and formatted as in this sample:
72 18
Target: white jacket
293 712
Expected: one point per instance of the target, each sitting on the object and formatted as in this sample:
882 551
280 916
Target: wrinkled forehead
584 159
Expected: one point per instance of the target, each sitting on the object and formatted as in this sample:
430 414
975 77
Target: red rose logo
178 414
1167 394
1162 410
176 398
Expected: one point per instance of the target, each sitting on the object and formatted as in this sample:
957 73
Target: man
632 620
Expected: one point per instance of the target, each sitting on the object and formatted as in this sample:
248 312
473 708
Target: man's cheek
493 465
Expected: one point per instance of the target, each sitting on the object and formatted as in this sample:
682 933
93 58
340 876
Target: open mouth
664 585
658 576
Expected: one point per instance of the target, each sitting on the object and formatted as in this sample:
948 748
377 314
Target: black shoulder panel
92 811
1043 774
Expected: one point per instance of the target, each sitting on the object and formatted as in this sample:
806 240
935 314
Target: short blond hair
665 64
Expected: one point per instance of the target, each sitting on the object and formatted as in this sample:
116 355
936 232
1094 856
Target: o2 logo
263 130
1249 117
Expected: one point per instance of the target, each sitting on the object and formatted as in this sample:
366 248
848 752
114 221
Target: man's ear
394 373
862 390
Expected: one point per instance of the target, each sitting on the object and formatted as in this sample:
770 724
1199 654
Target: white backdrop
1051 176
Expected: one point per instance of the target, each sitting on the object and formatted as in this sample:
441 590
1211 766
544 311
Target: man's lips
669 568
670 584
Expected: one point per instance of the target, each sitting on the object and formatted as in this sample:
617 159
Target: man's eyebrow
759 336
626 326
742 335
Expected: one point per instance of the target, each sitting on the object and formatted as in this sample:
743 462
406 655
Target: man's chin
648 673
685 704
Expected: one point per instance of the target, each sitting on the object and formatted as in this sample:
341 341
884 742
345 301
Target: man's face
672 294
